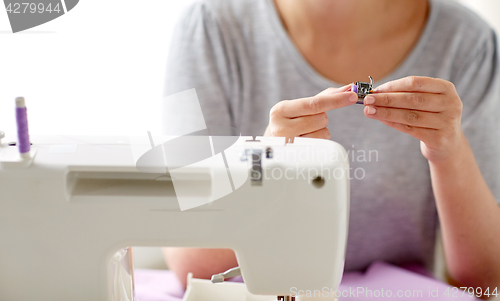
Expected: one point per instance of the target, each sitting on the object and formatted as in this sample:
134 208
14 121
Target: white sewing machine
70 212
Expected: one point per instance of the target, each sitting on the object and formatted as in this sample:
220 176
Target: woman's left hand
428 109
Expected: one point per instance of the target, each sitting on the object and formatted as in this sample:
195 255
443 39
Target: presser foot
205 290
218 278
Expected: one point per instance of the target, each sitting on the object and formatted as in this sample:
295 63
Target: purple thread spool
22 128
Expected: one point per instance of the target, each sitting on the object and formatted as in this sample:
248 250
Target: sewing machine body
66 213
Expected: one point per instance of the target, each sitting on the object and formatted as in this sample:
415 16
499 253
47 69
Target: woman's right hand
306 117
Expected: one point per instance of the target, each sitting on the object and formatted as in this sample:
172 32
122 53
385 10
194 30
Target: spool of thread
22 128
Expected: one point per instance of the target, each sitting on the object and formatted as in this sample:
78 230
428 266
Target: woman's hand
306 117
428 109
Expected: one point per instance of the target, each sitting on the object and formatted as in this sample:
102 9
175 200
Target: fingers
416 84
345 88
306 116
415 101
320 134
428 109
407 117
320 103
295 127
421 134
308 124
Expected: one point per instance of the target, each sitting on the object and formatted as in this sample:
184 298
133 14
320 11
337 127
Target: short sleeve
479 88
197 60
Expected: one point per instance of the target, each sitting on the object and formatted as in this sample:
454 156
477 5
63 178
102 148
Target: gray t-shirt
239 58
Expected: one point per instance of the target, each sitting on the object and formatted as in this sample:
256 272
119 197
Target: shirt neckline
321 81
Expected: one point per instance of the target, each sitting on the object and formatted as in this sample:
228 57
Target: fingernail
353 97
369 100
370 110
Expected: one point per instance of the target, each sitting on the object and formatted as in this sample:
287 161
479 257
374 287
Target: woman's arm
430 110
469 218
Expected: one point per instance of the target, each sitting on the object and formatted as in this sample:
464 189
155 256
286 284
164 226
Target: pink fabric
158 285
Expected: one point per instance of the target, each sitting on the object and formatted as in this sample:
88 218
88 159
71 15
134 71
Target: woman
258 65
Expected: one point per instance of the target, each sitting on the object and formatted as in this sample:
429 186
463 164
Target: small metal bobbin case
362 89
